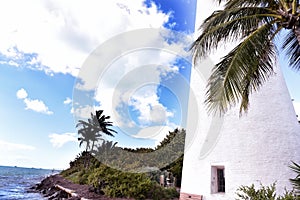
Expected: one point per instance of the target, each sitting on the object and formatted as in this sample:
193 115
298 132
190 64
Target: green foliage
118 183
296 181
115 183
141 159
263 193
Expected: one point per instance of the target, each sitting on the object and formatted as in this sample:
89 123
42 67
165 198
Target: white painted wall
256 148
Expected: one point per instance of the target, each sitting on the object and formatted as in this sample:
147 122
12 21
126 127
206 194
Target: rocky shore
55 187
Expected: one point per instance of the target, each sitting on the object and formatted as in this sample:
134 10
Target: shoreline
56 187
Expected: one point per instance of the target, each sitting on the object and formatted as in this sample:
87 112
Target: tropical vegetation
90 131
124 172
262 29
263 193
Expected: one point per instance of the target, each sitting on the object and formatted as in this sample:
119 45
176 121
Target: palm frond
220 1
109 132
240 72
296 181
230 25
99 113
291 48
82 123
296 168
254 3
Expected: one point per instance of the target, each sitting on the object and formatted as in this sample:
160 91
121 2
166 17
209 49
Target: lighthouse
224 153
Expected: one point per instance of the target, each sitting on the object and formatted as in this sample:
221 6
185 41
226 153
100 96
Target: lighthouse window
217 179
221 180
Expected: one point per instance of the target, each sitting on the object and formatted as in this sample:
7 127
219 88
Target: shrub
263 193
115 183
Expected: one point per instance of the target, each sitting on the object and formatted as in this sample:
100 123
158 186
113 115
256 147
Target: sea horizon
25 167
15 182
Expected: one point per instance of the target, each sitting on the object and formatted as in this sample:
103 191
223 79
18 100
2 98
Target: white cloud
133 80
58 140
63 33
156 133
22 94
83 112
67 101
151 111
8 146
35 104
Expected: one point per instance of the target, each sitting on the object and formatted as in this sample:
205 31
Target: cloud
151 111
84 112
132 80
58 140
35 104
8 146
22 94
156 133
57 36
67 101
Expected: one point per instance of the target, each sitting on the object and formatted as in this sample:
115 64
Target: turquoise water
16 181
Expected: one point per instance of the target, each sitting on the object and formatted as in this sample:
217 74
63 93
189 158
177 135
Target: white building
257 148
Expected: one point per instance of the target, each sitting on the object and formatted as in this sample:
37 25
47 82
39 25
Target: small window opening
217 179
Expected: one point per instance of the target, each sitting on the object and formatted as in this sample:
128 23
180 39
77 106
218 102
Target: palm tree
84 137
105 148
256 24
91 131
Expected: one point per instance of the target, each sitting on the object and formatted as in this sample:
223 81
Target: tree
256 24
84 137
91 131
104 152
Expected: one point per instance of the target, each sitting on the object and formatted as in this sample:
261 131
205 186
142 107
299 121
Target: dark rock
49 191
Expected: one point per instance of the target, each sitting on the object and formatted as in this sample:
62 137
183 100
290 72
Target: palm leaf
244 69
263 3
296 181
291 48
255 3
230 25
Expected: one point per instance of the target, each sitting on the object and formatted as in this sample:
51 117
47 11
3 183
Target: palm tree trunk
86 150
89 158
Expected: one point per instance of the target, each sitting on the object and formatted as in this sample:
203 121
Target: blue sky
43 47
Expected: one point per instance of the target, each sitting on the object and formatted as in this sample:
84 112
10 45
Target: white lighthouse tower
223 154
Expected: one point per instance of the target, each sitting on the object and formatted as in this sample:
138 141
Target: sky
46 82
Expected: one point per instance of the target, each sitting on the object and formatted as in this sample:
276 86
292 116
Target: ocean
16 181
